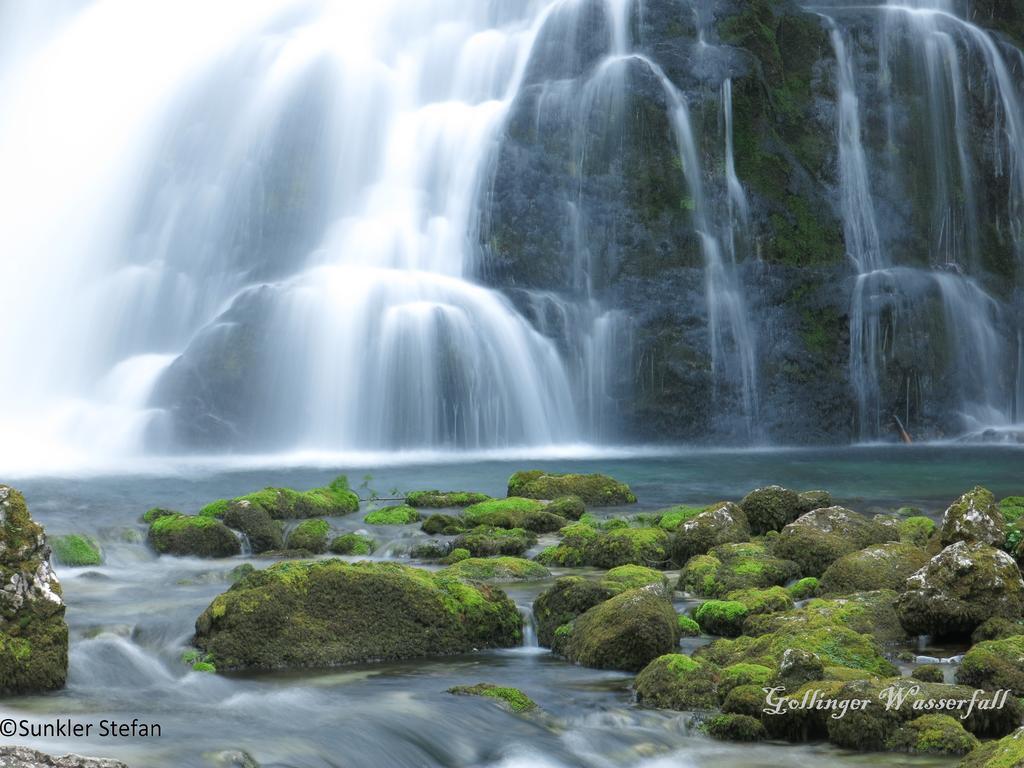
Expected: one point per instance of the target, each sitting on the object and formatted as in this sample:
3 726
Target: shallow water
131 619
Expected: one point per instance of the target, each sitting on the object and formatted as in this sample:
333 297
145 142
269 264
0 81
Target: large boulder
559 604
869 613
596 490
882 566
960 588
818 538
625 632
724 524
729 567
583 544
33 634
995 664
677 681
974 517
328 612
770 508
192 535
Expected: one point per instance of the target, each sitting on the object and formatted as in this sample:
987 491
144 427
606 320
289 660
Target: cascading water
264 238
939 77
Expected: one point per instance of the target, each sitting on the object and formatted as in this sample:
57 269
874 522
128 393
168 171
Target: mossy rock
1012 508
310 536
444 525
632 577
928 673
394 515
443 499
744 674
192 535
729 567
974 518
804 588
582 544
818 538
594 489
559 604
671 518
812 500
262 531
741 728
431 549
677 681
625 632
76 550
917 530
332 500
723 524
932 735
511 698
997 628
872 613
995 664
33 633
512 512
569 507
687 626
960 588
352 544
721 617
1008 752
771 508
883 566
155 513
744 700
498 569
456 556
328 612
486 541
759 601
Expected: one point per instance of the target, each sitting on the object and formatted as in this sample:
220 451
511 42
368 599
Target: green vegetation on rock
721 617
729 567
396 515
512 698
263 532
76 550
1008 752
559 604
883 566
917 530
514 512
444 499
632 577
311 536
486 541
735 728
498 569
676 681
194 535
599 490
352 544
333 500
995 664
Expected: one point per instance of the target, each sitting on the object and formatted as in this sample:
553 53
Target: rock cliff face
33 635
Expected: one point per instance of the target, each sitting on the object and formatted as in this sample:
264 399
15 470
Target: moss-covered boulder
872 613
1008 752
567 598
633 577
725 524
33 634
811 500
498 569
974 518
671 518
327 612
443 499
771 508
332 500
882 566
687 626
624 632
310 536
514 512
932 735
263 532
721 617
928 673
804 588
741 728
916 530
444 525
512 699
995 664
76 550
676 681
597 490
818 538
486 541
456 556
400 514
194 535
744 700
997 628
569 507
729 567
961 587
582 544
352 544
759 601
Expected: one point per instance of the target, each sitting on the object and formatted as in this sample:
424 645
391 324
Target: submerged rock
328 612
511 698
960 588
33 634
624 632
595 489
559 604
974 517
24 757
194 535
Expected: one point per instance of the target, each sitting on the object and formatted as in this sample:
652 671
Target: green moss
762 600
676 681
514 512
721 617
500 569
729 567
735 728
214 508
928 673
569 507
510 505
444 499
592 489
263 533
514 699
457 556
559 604
485 541
333 500
883 566
76 550
632 577
804 588
673 517
352 544
688 627
192 535
199 661
397 515
152 515
444 525
744 674
770 508
1008 752
310 535
995 664
1012 508
916 530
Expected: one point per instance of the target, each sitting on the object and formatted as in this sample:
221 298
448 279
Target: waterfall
261 232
